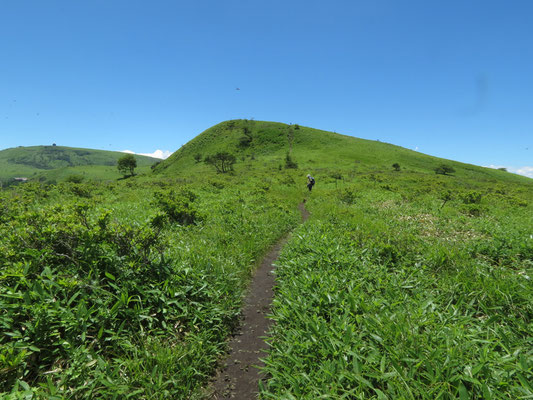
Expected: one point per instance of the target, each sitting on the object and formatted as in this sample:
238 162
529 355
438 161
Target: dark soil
239 376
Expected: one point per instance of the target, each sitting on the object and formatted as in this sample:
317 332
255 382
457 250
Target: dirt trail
239 376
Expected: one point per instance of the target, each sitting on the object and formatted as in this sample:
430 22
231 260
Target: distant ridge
58 162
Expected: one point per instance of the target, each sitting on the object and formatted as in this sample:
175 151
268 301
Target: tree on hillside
126 165
444 169
222 161
396 166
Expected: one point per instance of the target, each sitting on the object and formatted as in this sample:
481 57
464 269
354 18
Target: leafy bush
444 169
472 198
178 206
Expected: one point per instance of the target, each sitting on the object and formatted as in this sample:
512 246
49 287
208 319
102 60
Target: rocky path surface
239 375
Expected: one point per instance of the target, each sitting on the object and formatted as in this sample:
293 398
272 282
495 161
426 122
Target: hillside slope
258 144
57 162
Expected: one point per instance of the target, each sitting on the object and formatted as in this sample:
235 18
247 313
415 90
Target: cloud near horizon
163 154
525 171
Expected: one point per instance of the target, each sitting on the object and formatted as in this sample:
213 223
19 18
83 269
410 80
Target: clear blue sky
449 78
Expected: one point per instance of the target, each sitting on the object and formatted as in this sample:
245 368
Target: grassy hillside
260 144
58 162
401 285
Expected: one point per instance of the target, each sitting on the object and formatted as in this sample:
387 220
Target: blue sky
448 78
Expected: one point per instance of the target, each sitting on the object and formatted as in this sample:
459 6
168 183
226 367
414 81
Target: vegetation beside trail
126 290
386 294
404 283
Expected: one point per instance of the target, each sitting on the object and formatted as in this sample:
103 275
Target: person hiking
310 182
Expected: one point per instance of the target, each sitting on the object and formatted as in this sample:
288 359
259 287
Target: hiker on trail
310 182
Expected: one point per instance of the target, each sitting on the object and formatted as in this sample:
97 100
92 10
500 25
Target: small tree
444 169
445 197
222 161
197 157
396 166
126 165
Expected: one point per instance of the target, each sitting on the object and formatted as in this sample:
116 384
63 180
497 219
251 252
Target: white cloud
526 171
163 154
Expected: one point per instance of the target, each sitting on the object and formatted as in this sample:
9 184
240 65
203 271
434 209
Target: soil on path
239 376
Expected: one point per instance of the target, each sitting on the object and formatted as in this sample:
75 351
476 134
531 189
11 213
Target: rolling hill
259 144
53 163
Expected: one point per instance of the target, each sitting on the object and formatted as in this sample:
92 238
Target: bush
74 179
444 169
472 198
178 207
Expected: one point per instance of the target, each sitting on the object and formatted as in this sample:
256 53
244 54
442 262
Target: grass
403 284
56 163
385 295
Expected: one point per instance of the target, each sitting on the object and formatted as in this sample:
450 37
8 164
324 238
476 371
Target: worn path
239 376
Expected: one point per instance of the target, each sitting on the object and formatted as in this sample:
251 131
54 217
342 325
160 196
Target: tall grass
103 294
384 297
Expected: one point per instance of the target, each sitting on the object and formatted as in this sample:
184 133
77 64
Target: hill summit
257 144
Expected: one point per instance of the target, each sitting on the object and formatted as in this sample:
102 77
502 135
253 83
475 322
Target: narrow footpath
239 376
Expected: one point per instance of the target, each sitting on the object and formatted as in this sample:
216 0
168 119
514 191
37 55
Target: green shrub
444 169
472 198
178 206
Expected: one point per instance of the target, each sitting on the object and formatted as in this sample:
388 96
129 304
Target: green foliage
126 165
289 162
396 166
446 196
384 299
246 140
58 163
444 169
130 289
222 161
74 179
198 157
348 195
103 297
472 198
177 206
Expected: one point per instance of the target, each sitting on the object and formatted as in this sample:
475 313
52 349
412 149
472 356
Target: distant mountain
58 162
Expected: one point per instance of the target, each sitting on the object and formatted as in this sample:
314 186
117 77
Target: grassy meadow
403 284
388 293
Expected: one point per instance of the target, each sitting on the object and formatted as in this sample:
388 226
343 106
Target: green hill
54 163
258 144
